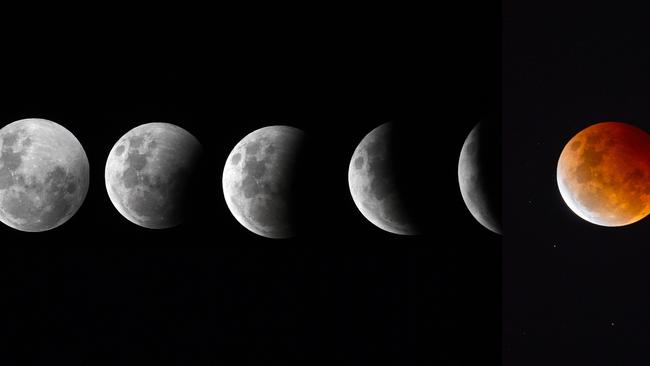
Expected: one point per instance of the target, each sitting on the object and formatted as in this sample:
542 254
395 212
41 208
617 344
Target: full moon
603 174
43 175
373 181
148 174
258 180
479 176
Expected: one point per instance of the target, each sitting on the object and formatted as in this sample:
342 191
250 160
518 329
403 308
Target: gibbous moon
149 173
258 180
43 175
479 176
604 174
374 182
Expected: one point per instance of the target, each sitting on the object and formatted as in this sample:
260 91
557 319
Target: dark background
574 292
101 290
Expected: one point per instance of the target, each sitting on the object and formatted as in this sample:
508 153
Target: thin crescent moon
472 181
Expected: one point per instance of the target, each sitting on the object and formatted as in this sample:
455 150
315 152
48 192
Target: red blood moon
604 174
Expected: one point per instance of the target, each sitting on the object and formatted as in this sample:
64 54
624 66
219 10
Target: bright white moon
43 175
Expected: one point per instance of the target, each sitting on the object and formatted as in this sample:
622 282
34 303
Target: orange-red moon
604 174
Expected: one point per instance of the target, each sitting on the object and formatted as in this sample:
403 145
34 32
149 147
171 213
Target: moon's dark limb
479 175
380 184
44 175
149 173
258 180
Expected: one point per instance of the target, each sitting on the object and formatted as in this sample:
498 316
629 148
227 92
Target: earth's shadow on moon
263 181
150 174
393 177
191 201
309 209
411 171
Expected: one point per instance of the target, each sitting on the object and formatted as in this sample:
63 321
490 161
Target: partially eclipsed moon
148 174
373 182
604 174
258 180
43 175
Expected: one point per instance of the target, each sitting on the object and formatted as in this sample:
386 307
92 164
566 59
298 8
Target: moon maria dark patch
575 145
272 213
250 187
71 187
20 206
10 160
595 137
54 197
358 162
9 139
163 198
136 141
235 159
382 183
375 147
60 186
130 178
253 148
56 176
119 150
150 204
6 179
154 182
592 156
472 147
136 160
254 170
152 145
58 208
634 176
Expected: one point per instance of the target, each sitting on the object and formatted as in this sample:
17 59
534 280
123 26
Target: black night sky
100 290
574 293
